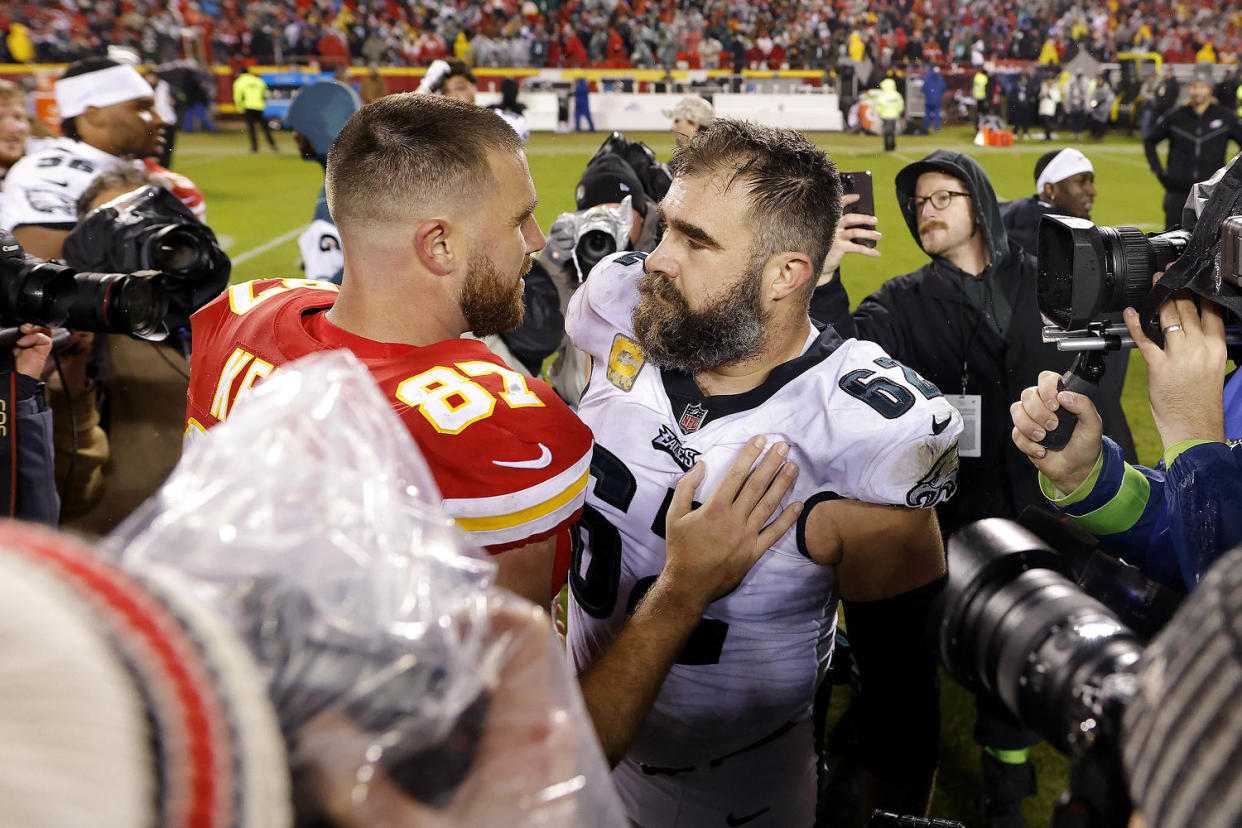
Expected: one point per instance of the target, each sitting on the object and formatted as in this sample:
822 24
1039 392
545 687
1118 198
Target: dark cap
608 180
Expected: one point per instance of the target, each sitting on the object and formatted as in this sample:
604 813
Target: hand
558 251
32 350
850 229
709 550
1035 414
1185 379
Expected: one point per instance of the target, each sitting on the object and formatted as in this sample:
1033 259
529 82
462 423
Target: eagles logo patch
625 360
50 201
938 485
667 441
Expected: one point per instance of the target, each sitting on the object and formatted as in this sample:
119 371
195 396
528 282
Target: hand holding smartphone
859 183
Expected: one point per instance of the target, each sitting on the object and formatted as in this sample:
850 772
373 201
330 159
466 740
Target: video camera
1087 272
1017 621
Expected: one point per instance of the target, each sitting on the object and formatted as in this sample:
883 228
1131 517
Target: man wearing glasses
969 321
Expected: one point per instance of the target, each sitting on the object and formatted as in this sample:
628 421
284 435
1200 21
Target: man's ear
788 271
434 247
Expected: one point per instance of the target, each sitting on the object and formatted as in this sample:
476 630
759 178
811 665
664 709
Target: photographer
1174 520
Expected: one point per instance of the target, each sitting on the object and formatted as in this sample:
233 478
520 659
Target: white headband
101 88
1064 164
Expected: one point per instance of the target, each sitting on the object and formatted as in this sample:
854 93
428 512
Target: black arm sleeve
830 305
1159 132
900 698
875 320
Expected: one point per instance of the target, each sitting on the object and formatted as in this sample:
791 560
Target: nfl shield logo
691 418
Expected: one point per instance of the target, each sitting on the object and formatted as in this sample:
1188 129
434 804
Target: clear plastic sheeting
409 689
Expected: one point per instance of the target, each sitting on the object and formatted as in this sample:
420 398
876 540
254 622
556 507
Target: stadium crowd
711 34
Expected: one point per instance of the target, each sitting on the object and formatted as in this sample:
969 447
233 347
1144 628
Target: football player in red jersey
435 205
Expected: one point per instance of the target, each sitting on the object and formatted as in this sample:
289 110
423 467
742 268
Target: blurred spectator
373 85
1102 98
250 97
511 109
14 126
198 102
933 92
1076 104
691 114
582 105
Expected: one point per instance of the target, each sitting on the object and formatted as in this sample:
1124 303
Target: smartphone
860 182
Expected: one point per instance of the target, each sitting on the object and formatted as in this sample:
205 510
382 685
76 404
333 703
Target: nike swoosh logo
58 183
733 821
544 458
941 426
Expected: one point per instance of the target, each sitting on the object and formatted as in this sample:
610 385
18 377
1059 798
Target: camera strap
8 433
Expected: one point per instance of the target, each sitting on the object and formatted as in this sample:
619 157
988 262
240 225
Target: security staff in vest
1198 133
890 106
979 90
250 96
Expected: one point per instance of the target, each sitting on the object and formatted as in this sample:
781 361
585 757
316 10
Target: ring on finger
1168 329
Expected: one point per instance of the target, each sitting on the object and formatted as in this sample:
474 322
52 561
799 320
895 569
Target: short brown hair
794 188
407 149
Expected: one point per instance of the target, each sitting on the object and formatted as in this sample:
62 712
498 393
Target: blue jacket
933 88
1172 522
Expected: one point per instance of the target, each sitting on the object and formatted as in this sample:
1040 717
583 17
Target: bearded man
697 348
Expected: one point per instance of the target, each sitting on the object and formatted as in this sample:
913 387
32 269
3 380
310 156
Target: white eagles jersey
43 188
859 425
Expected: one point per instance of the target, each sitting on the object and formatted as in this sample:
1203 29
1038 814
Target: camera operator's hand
1185 378
31 351
558 252
1035 414
851 228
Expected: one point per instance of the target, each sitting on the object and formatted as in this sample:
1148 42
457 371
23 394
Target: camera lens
1086 270
593 247
178 249
1015 629
34 295
118 303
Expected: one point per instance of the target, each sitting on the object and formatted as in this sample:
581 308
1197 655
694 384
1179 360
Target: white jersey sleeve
892 435
600 310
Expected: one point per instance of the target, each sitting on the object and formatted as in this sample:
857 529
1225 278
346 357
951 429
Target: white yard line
241 258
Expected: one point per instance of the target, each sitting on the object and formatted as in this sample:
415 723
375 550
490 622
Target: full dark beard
676 337
489 303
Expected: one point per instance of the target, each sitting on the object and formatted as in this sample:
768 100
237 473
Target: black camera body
150 229
53 295
1017 621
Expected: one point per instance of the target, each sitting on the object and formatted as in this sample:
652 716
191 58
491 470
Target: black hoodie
978 335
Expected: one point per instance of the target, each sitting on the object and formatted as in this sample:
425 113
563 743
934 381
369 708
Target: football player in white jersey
696 348
109 123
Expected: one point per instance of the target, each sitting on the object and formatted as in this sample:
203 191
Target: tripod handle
1083 377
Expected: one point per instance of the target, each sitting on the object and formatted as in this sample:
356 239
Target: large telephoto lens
34 294
1012 627
118 303
1086 270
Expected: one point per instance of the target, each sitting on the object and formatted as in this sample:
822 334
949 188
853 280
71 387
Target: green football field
259 203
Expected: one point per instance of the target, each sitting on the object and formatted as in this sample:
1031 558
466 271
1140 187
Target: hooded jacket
977 335
319 112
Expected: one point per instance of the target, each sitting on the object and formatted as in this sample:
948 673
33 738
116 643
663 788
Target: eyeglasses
941 199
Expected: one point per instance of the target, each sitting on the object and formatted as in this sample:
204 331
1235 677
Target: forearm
620 687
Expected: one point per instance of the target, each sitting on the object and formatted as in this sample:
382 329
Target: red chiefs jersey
510 458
